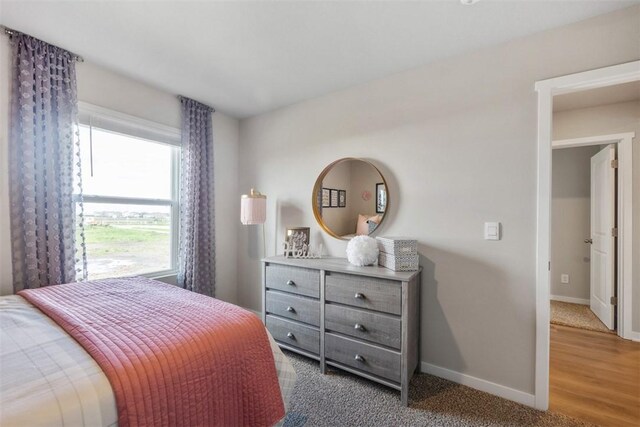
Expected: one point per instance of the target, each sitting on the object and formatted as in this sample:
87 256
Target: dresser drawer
366 357
294 334
364 292
294 307
379 328
296 280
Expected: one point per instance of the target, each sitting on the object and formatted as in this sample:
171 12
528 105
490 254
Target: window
129 180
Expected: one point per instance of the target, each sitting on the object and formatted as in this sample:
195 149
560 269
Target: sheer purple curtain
197 244
43 148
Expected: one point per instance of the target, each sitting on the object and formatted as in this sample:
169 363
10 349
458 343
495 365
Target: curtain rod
10 32
213 110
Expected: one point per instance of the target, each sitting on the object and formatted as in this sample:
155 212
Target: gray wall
570 219
603 120
102 87
456 141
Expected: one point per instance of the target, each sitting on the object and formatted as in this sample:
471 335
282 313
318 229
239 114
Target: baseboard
570 299
479 384
635 336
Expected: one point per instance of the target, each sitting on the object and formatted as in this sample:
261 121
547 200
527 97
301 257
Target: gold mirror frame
318 186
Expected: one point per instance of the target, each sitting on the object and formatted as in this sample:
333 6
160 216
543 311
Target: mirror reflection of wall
352 198
336 218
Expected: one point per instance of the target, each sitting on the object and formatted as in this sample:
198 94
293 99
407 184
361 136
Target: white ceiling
594 97
246 58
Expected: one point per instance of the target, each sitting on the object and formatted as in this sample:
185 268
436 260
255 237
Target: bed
48 378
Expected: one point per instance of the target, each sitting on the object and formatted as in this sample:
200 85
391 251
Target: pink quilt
173 357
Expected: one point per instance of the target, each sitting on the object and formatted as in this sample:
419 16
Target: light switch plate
492 231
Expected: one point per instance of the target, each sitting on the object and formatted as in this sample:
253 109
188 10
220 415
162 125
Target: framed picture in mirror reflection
381 197
326 198
342 198
334 198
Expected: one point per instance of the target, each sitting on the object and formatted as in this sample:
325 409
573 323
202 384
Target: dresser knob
359 358
291 283
291 336
291 309
359 296
359 327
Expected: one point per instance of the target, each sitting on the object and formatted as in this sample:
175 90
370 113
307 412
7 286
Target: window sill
169 276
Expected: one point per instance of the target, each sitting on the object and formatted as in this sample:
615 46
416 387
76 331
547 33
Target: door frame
547 89
624 243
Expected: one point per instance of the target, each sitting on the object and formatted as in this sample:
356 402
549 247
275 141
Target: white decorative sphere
362 250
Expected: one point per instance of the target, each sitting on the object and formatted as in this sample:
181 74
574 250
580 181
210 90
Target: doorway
594 375
547 89
583 211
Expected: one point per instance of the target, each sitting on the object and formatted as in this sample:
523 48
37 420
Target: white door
603 217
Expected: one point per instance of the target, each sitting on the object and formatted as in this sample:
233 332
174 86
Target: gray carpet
342 399
294 419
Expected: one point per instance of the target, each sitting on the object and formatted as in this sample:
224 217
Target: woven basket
399 263
397 245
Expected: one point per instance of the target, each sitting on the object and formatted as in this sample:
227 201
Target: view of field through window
124 239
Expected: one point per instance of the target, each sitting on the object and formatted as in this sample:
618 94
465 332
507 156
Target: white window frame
124 124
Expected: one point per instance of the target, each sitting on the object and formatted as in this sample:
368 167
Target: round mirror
350 198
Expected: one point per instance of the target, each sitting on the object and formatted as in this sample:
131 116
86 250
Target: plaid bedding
47 378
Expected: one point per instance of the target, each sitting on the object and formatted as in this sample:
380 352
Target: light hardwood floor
594 376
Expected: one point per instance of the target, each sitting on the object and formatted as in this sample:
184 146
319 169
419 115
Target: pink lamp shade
253 208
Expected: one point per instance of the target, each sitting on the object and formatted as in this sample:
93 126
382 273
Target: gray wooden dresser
365 320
